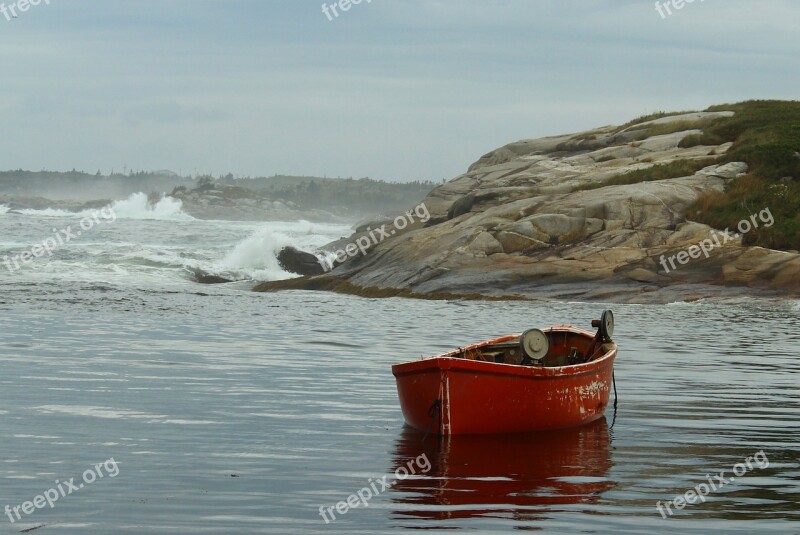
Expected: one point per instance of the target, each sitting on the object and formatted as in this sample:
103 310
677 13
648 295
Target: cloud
400 89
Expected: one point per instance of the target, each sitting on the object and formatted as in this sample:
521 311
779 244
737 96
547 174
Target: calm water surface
233 412
239 413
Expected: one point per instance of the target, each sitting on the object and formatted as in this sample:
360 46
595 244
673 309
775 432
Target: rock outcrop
299 262
535 219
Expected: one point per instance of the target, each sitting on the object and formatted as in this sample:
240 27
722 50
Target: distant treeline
365 194
322 193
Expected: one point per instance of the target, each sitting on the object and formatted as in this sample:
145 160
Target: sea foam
134 207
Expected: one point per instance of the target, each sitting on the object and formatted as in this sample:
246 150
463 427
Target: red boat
541 379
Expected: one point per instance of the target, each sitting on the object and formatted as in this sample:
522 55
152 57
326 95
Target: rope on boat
435 407
614 419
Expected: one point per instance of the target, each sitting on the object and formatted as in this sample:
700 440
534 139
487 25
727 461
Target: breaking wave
256 256
136 206
48 212
130 251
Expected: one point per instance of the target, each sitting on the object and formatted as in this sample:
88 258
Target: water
131 243
228 411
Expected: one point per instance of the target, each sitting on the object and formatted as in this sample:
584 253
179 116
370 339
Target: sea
135 400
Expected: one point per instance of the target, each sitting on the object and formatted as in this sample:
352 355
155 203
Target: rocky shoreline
537 219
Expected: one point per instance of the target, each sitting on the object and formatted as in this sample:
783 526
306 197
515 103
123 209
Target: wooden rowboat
541 379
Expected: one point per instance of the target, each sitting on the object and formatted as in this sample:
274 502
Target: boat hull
449 395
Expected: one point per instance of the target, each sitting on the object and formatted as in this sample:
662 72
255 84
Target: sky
391 89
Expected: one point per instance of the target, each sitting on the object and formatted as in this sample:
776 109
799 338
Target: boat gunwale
447 361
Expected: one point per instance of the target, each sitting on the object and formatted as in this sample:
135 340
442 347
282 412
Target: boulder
299 262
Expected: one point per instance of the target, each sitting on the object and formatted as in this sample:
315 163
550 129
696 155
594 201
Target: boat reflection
502 475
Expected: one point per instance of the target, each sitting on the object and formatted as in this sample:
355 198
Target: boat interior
550 348
566 348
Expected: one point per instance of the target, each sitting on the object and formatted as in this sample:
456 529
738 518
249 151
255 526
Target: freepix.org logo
333 10
20 6
62 489
665 9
